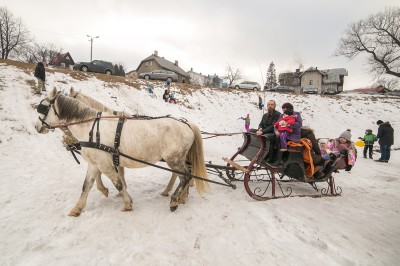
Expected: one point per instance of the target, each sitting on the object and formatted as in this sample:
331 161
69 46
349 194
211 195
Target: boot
278 159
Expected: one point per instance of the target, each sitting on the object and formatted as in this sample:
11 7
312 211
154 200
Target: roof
329 75
164 63
312 69
57 59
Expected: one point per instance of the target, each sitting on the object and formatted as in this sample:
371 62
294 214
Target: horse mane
93 103
71 109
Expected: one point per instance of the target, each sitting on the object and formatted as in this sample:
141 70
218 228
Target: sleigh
264 181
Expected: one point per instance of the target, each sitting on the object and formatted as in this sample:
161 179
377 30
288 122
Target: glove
359 137
333 156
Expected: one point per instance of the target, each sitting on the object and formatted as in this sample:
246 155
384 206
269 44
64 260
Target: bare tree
12 33
36 52
388 83
232 74
377 36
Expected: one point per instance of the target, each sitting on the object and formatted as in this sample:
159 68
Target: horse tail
196 158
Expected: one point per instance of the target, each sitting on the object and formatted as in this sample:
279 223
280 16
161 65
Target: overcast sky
204 35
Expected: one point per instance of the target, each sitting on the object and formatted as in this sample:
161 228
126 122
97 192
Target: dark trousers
366 148
385 152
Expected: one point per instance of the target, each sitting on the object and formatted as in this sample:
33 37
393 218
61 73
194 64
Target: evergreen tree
271 76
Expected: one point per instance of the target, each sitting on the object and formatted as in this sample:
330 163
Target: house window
146 64
311 82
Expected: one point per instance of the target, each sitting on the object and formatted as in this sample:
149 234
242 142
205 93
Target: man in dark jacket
386 140
40 74
266 126
269 119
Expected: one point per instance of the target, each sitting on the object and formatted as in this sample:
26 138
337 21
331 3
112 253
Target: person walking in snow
369 140
40 74
246 122
386 140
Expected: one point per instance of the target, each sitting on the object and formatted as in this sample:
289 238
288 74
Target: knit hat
346 135
379 122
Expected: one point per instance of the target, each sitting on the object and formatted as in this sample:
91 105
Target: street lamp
91 45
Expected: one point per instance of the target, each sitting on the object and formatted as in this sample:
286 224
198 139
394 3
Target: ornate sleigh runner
262 179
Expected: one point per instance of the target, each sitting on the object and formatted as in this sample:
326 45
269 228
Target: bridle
44 110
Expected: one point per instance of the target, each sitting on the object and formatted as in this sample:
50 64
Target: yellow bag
360 143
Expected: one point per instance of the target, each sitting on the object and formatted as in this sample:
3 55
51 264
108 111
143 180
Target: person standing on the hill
369 140
260 103
246 122
386 140
40 74
166 95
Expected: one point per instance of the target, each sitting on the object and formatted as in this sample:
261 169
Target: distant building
373 90
198 78
132 74
326 81
62 60
215 80
154 62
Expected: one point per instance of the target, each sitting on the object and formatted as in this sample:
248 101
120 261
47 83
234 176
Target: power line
56 33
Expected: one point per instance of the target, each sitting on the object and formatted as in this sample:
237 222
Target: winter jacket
296 133
348 149
308 133
369 139
40 73
267 122
289 120
246 120
385 134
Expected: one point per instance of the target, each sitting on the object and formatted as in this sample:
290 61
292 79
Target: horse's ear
53 93
72 92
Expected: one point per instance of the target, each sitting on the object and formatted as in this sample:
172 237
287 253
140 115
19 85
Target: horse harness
97 145
114 150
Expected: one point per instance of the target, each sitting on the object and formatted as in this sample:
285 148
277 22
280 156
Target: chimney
176 62
191 69
155 53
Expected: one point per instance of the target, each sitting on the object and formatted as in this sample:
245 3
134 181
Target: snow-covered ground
41 182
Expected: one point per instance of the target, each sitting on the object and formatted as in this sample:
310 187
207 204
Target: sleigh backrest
253 145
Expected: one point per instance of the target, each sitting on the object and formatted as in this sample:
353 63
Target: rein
115 151
213 135
136 117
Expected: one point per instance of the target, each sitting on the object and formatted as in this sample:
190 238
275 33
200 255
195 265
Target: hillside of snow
41 182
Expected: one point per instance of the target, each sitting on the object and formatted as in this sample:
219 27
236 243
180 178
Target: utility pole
91 45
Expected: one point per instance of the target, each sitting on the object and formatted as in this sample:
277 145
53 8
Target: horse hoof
173 208
127 209
165 194
74 214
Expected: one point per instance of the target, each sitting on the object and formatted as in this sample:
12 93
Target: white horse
101 107
147 140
